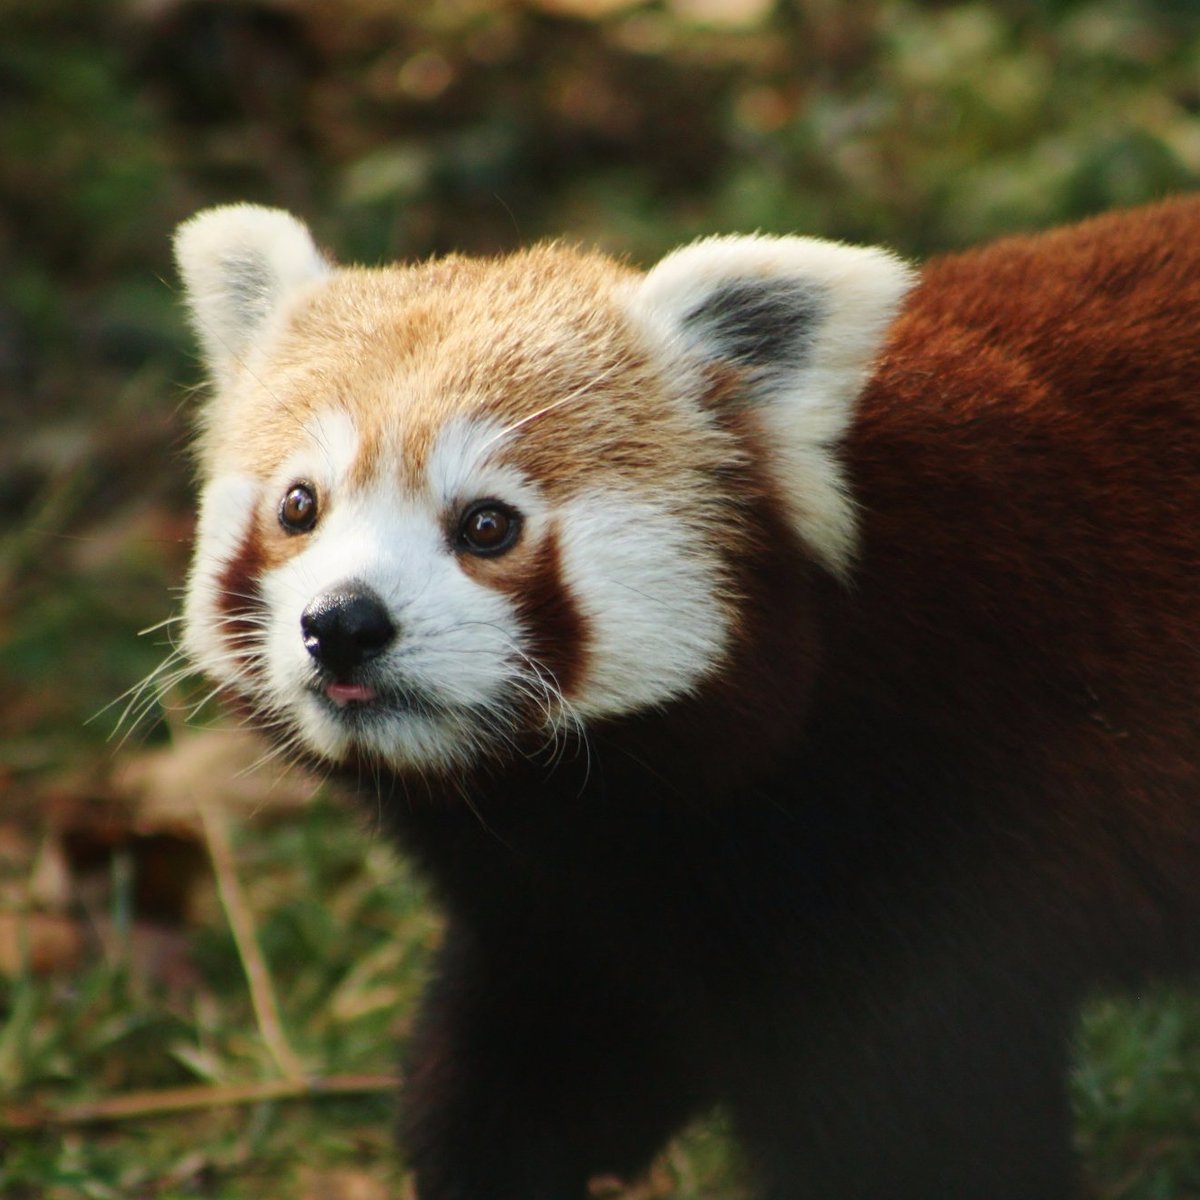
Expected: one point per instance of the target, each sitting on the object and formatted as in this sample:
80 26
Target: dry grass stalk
241 922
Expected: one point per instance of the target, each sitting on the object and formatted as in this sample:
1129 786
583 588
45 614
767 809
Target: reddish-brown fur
857 887
240 601
1027 459
558 630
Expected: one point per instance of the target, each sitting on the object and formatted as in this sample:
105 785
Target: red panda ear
238 263
801 321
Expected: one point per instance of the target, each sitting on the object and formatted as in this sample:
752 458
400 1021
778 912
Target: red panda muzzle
345 629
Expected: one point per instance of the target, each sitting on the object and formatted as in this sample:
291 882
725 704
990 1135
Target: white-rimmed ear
238 263
801 322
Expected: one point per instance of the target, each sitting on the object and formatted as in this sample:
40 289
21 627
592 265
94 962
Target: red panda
784 667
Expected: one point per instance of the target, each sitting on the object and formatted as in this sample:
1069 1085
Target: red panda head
452 510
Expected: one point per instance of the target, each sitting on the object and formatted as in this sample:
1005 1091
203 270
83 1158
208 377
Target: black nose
346 627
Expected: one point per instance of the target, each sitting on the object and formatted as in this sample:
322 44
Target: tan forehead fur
403 350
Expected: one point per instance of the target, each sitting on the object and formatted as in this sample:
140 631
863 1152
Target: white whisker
569 398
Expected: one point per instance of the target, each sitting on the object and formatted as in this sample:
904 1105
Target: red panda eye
298 509
488 527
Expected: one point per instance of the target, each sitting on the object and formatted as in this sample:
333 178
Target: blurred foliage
400 129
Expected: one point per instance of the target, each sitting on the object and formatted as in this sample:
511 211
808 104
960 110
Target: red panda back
1027 464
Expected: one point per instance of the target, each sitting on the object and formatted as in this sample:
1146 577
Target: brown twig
241 922
165 1101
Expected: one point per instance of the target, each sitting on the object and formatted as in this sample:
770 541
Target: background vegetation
402 128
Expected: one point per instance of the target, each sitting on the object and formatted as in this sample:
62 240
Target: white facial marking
464 465
650 596
331 434
229 506
227 512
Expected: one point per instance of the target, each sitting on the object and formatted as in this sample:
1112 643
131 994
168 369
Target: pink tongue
346 693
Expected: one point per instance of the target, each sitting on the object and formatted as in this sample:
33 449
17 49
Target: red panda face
461 510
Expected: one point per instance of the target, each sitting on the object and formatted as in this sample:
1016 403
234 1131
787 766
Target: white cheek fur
228 508
462 467
227 511
658 627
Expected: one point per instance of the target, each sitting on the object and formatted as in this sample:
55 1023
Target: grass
1137 1094
344 931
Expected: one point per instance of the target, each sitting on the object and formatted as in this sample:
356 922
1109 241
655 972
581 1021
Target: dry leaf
50 879
344 1184
206 766
43 942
